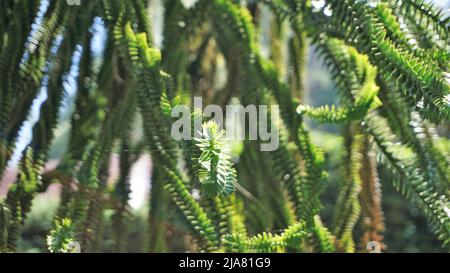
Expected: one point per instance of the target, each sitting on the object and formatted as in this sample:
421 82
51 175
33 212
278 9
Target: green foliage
193 212
410 181
4 226
217 176
365 99
389 61
348 206
61 238
266 242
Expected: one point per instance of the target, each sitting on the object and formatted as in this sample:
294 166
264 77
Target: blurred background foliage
406 228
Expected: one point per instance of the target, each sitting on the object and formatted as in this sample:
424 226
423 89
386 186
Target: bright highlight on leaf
61 238
93 87
217 175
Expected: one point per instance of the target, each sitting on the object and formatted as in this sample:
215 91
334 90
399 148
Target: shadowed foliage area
98 84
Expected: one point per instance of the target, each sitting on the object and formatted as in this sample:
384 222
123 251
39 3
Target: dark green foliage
389 61
216 173
60 239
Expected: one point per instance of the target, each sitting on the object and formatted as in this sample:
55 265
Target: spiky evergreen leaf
217 175
61 238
